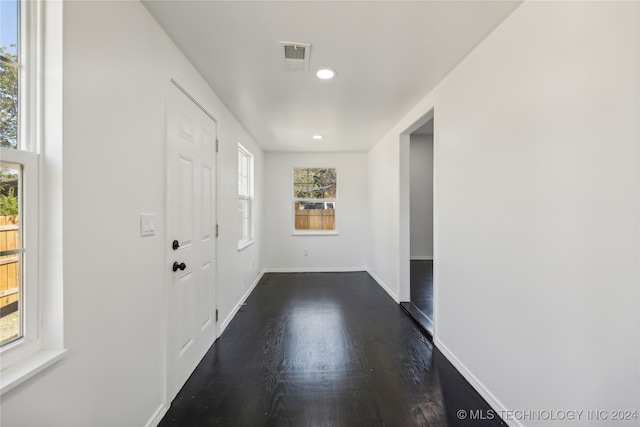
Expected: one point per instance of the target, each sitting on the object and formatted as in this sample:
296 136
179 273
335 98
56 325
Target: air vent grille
294 52
296 56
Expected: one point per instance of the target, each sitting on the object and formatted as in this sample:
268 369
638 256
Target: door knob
180 266
175 245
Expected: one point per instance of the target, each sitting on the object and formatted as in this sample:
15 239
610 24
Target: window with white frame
245 197
18 181
25 347
314 200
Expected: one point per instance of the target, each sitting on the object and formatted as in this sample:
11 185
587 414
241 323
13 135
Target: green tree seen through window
8 98
8 125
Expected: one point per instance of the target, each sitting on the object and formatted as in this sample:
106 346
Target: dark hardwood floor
420 304
324 349
421 287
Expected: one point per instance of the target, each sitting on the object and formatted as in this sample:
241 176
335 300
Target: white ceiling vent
296 55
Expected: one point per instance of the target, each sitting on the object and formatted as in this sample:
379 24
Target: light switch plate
147 225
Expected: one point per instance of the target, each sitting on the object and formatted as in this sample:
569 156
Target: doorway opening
419 152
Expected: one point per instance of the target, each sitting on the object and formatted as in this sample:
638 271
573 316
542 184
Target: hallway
324 349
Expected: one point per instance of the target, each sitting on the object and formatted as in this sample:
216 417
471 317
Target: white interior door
191 141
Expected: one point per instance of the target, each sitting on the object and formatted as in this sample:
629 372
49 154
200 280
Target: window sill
313 233
244 245
21 371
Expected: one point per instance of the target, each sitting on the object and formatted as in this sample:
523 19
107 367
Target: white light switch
147 225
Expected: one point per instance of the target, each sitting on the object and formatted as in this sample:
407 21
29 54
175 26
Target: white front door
191 249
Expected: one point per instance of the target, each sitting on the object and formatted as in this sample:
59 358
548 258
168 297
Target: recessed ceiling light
326 74
317 136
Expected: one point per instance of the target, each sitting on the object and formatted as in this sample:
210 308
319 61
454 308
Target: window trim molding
245 244
315 233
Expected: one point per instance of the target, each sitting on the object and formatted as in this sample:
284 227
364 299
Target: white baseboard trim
231 315
384 286
157 416
495 404
315 270
422 258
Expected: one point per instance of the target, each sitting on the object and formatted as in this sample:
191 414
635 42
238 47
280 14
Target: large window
245 197
18 185
314 197
31 312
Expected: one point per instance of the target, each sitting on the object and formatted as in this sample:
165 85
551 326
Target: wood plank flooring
420 304
421 286
323 349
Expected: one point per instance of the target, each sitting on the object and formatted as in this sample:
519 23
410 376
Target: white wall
117 64
346 251
421 190
384 225
536 210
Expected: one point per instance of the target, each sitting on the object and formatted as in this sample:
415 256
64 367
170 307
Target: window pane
10 256
8 105
9 74
301 176
9 28
314 183
300 191
245 228
240 217
243 219
243 173
241 165
315 216
244 183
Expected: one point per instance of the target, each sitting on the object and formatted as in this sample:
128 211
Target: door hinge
217 233
216 314
217 145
